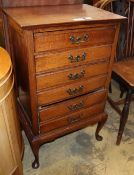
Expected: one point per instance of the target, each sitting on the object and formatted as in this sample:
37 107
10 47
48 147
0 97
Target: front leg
35 148
99 127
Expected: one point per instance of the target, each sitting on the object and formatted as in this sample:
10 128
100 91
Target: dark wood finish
1 27
124 116
54 88
1 31
112 103
94 1
99 127
123 72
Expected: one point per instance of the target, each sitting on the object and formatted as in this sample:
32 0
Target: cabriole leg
35 148
99 127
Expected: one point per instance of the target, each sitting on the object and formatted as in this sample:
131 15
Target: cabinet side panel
113 54
21 68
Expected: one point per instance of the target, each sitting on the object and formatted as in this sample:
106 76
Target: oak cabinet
63 58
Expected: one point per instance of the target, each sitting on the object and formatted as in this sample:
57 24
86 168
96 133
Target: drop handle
79 39
75 91
77 58
76 76
75 119
76 107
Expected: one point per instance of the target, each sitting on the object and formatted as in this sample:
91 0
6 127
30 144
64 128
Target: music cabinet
63 58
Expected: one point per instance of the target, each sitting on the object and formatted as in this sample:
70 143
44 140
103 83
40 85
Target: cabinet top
27 17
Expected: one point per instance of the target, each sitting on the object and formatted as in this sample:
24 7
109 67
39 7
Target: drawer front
71 75
71 106
49 41
70 91
71 58
72 118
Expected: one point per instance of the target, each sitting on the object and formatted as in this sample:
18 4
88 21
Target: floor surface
80 154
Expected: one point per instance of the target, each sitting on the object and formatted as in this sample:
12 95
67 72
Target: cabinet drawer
71 106
70 91
71 75
72 118
50 40
71 58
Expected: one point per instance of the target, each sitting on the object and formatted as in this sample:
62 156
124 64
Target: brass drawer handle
72 120
76 75
79 39
76 106
75 90
78 58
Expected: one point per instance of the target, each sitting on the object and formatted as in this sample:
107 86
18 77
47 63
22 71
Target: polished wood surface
69 76
81 56
71 119
84 37
125 69
70 106
42 16
10 135
49 45
72 90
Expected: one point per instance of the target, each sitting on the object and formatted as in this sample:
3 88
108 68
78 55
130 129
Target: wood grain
69 76
10 135
127 72
57 60
60 93
47 37
72 118
61 109
61 40
54 15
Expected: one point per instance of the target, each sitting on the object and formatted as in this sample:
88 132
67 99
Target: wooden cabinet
63 58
